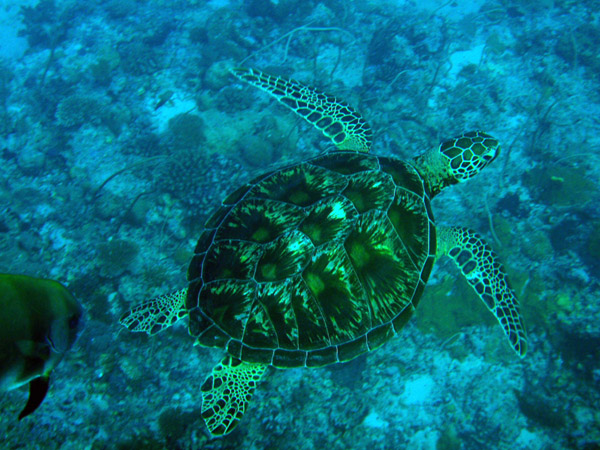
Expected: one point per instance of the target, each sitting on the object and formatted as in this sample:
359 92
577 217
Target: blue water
121 130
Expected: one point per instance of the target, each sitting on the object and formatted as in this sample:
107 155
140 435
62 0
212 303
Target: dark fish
39 322
164 98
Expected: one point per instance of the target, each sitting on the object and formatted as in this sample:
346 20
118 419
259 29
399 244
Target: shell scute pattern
332 282
277 301
346 163
231 259
408 215
313 264
370 190
404 175
283 258
421 286
329 220
260 220
352 349
301 185
237 195
217 218
206 331
206 238
256 355
228 304
259 331
380 335
323 357
312 330
380 260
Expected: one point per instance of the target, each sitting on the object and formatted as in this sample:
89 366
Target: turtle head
456 160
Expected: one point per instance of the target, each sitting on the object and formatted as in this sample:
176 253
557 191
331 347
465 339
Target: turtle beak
496 154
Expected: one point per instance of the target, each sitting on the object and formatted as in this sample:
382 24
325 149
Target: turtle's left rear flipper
157 314
479 264
226 393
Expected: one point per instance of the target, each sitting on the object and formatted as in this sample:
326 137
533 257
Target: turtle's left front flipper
479 264
338 121
226 393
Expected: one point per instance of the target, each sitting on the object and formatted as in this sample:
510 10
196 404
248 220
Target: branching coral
75 110
138 58
46 25
187 130
195 179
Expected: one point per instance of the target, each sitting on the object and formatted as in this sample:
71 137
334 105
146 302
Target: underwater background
121 130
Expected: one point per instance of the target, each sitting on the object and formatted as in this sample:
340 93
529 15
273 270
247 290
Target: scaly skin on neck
435 170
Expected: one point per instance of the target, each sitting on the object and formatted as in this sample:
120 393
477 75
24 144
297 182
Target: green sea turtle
322 261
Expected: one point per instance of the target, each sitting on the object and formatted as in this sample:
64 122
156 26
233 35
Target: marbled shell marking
315 263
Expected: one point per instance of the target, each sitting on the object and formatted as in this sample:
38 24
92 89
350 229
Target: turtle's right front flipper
485 274
335 119
157 314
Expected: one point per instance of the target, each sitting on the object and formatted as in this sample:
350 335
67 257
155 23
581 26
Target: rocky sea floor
121 130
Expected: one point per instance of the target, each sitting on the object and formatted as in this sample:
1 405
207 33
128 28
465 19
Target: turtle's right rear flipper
157 314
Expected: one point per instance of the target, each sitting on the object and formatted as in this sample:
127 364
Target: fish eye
74 321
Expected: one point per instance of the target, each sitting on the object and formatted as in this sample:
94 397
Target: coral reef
121 130
187 131
77 109
116 256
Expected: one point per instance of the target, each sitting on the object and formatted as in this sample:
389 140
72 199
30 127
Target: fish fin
38 387
34 349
